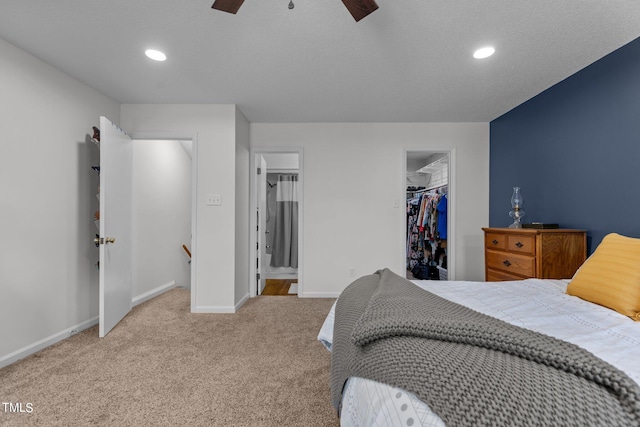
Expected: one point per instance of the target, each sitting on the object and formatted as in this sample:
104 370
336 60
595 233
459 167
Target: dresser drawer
521 244
522 265
495 241
501 276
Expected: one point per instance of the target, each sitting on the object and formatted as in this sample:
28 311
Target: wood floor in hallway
278 286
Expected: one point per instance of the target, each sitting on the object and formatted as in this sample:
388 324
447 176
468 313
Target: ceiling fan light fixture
484 52
156 55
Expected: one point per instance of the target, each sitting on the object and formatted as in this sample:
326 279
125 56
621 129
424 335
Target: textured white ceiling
409 61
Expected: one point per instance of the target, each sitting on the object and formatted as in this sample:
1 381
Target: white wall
161 213
213 128
284 161
48 280
354 175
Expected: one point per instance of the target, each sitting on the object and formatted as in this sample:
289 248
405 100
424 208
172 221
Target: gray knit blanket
471 369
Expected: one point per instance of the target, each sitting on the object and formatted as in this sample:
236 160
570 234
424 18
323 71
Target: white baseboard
44 343
57 337
222 308
153 293
319 295
240 303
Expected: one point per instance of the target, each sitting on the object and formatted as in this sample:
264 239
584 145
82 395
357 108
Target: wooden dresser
516 254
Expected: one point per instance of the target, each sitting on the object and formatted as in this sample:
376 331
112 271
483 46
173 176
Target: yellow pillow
611 276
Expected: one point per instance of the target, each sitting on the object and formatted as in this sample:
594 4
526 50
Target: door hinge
259 171
258 276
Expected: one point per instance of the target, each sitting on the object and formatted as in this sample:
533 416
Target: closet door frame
451 203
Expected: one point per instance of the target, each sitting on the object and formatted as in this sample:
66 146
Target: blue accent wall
574 150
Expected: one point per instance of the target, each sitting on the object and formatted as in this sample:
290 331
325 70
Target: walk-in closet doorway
430 202
276 228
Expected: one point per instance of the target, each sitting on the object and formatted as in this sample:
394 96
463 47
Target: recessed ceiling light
484 52
156 55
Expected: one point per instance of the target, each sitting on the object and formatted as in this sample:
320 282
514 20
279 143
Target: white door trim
254 206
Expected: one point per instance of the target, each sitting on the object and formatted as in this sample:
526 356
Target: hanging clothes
441 208
426 233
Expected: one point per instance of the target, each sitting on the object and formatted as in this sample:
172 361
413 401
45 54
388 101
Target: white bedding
539 305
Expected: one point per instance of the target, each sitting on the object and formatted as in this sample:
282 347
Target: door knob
109 239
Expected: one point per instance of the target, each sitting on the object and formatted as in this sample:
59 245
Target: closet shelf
435 167
438 172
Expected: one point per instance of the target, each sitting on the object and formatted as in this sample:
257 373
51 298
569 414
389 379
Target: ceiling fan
358 8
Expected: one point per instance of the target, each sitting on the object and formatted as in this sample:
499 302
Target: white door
262 224
116 270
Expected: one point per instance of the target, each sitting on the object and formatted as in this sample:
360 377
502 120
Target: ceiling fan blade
230 6
360 8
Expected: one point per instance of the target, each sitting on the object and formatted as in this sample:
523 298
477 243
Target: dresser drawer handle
519 245
495 242
507 263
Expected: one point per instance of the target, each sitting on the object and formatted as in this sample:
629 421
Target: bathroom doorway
277 199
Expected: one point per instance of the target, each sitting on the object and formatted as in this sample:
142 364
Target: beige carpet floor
163 366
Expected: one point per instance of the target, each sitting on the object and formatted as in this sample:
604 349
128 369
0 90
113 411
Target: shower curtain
285 238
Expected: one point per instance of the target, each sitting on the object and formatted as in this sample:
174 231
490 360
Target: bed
539 307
